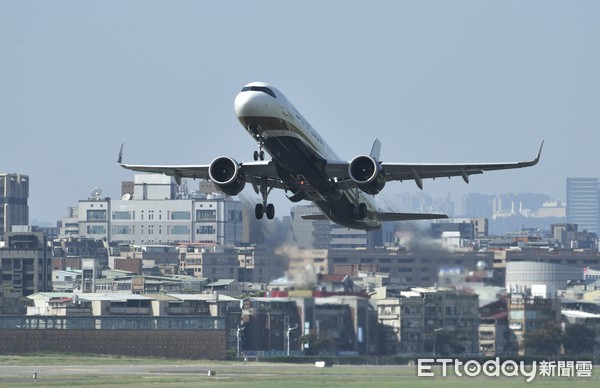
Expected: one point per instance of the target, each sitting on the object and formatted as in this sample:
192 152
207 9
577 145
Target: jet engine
367 173
226 175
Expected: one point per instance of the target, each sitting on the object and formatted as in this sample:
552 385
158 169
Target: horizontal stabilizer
386 216
409 216
315 217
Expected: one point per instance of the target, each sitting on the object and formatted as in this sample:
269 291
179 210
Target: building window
121 215
96 215
96 229
180 215
179 229
205 229
121 229
206 214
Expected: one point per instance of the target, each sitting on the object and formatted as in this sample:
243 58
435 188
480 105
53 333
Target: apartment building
416 268
409 321
25 259
527 312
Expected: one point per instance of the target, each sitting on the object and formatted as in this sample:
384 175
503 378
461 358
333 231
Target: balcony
129 310
515 326
187 311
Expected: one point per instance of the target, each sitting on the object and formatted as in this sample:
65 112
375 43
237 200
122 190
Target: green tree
578 339
446 344
443 342
315 344
545 340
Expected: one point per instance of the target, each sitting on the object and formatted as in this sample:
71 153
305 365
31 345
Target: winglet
537 158
376 149
120 158
535 161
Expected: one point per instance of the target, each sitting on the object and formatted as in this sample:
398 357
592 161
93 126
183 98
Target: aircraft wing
254 171
182 171
418 172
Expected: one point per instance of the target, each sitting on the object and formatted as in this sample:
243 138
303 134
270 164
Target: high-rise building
14 210
583 203
26 260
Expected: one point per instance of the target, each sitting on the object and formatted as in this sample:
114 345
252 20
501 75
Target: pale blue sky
436 81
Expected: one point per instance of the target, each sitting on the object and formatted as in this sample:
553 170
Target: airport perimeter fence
189 337
41 322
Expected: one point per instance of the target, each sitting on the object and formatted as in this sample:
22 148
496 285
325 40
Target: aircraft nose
251 103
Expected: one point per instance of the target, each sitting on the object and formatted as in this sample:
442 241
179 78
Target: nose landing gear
254 129
259 154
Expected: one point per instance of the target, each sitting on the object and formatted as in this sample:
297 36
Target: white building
153 215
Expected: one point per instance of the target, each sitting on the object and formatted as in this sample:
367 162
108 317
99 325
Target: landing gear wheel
270 210
357 212
256 155
261 155
259 211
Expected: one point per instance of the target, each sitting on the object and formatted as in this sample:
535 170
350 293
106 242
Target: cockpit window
260 89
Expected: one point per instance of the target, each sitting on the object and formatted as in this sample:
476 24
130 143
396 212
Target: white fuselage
297 149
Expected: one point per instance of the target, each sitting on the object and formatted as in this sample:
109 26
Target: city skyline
80 79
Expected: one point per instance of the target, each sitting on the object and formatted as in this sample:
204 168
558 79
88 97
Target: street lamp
288 338
239 331
435 331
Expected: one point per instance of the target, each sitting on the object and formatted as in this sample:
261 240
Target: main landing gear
357 212
264 208
260 210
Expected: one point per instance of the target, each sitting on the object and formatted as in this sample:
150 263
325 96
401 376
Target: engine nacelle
226 175
367 173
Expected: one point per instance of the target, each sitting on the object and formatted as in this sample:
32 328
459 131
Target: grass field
99 371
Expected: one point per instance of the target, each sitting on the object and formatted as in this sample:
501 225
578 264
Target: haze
435 81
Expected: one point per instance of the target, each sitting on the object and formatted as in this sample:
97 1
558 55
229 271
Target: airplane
306 167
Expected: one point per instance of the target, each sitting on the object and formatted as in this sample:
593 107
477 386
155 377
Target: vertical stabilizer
376 149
